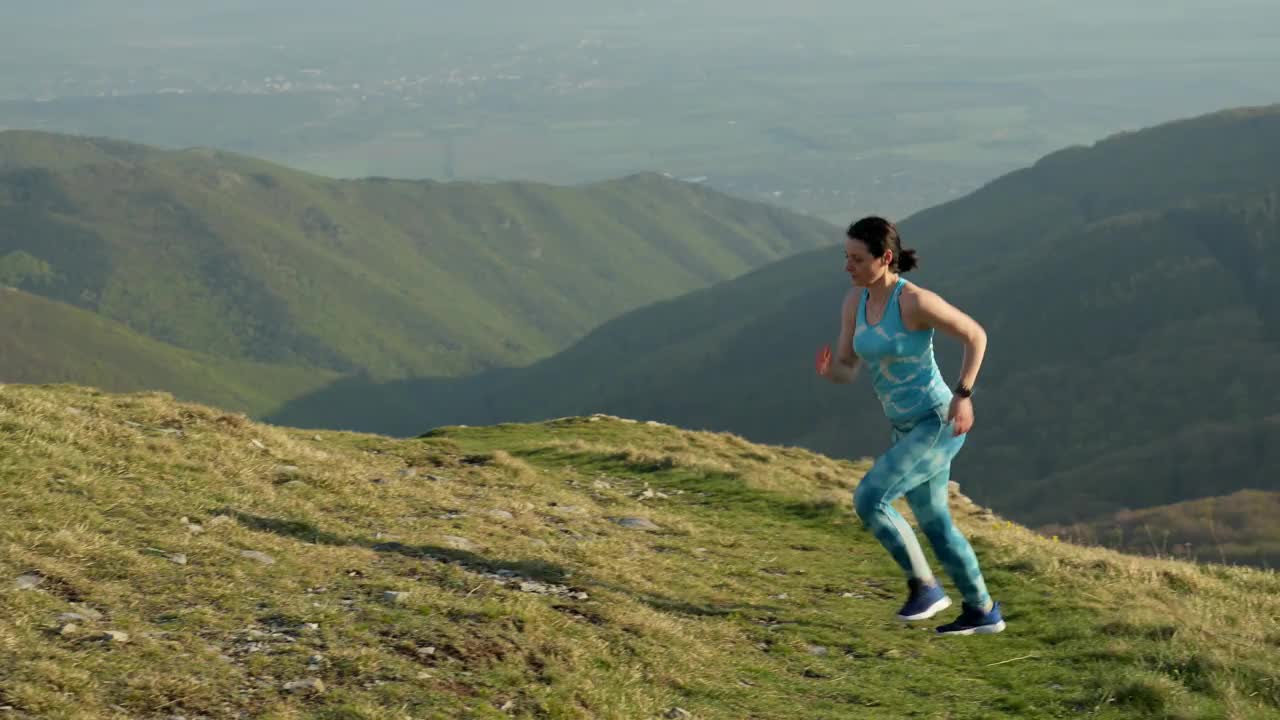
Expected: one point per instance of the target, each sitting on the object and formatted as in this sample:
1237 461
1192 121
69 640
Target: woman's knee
867 498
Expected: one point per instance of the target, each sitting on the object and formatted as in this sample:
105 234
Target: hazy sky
770 98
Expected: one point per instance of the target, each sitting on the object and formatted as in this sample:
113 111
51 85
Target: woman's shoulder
912 299
912 293
916 290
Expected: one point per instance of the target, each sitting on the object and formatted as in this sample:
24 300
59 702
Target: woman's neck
881 288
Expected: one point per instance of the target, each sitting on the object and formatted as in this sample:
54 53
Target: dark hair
880 235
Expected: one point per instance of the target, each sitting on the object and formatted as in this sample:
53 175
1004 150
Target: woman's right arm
843 367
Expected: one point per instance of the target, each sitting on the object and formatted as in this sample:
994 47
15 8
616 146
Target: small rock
219 520
409 473
195 529
426 651
316 660
601 485
394 597
636 523
72 618
115 636
780 596
501 515
317 438
258 444
261 557
817 650
288 470
460 543
315 685
87 612
678 713
178 559
28 582
69 629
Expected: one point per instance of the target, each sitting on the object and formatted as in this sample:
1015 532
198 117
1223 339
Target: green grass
232 256
758 595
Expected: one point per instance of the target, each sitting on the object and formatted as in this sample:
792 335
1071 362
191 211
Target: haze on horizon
823 106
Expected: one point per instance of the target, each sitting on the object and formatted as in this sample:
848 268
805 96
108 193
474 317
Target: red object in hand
823 361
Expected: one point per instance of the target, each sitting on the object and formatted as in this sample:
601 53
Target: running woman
888 327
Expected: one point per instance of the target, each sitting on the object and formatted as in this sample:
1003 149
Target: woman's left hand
961 414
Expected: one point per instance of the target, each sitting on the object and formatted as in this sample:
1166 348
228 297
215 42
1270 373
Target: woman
888 326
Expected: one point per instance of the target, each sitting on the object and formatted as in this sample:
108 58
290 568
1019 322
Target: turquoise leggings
919 467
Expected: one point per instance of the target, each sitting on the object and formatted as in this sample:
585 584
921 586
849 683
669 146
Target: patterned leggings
919 467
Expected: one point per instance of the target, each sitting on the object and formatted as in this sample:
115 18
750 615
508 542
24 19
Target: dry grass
491 534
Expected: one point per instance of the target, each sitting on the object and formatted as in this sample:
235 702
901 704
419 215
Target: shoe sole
980 630
929 612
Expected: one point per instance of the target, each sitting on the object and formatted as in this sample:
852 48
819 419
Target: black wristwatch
963 391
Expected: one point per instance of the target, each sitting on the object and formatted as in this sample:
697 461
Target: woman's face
862 268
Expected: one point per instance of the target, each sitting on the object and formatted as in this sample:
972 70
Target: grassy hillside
1237 528
232 256
1129 290
506 571
50 342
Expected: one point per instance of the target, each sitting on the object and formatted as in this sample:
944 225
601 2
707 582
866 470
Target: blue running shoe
924 601
973 621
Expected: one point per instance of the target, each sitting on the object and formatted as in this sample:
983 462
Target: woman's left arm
932 311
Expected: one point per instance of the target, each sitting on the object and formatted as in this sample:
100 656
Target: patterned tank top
903 370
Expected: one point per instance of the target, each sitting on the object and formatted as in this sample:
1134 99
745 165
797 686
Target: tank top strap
891 312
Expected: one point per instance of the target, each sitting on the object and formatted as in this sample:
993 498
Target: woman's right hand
823 362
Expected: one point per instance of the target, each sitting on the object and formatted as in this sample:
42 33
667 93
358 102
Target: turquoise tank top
901 363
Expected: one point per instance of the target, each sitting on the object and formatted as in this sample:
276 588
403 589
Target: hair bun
907 260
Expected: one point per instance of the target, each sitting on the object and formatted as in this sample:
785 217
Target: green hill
51 342
231 256
1239 528
166 559
1130 290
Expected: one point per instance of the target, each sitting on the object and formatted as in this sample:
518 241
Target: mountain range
1130 289
231 256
